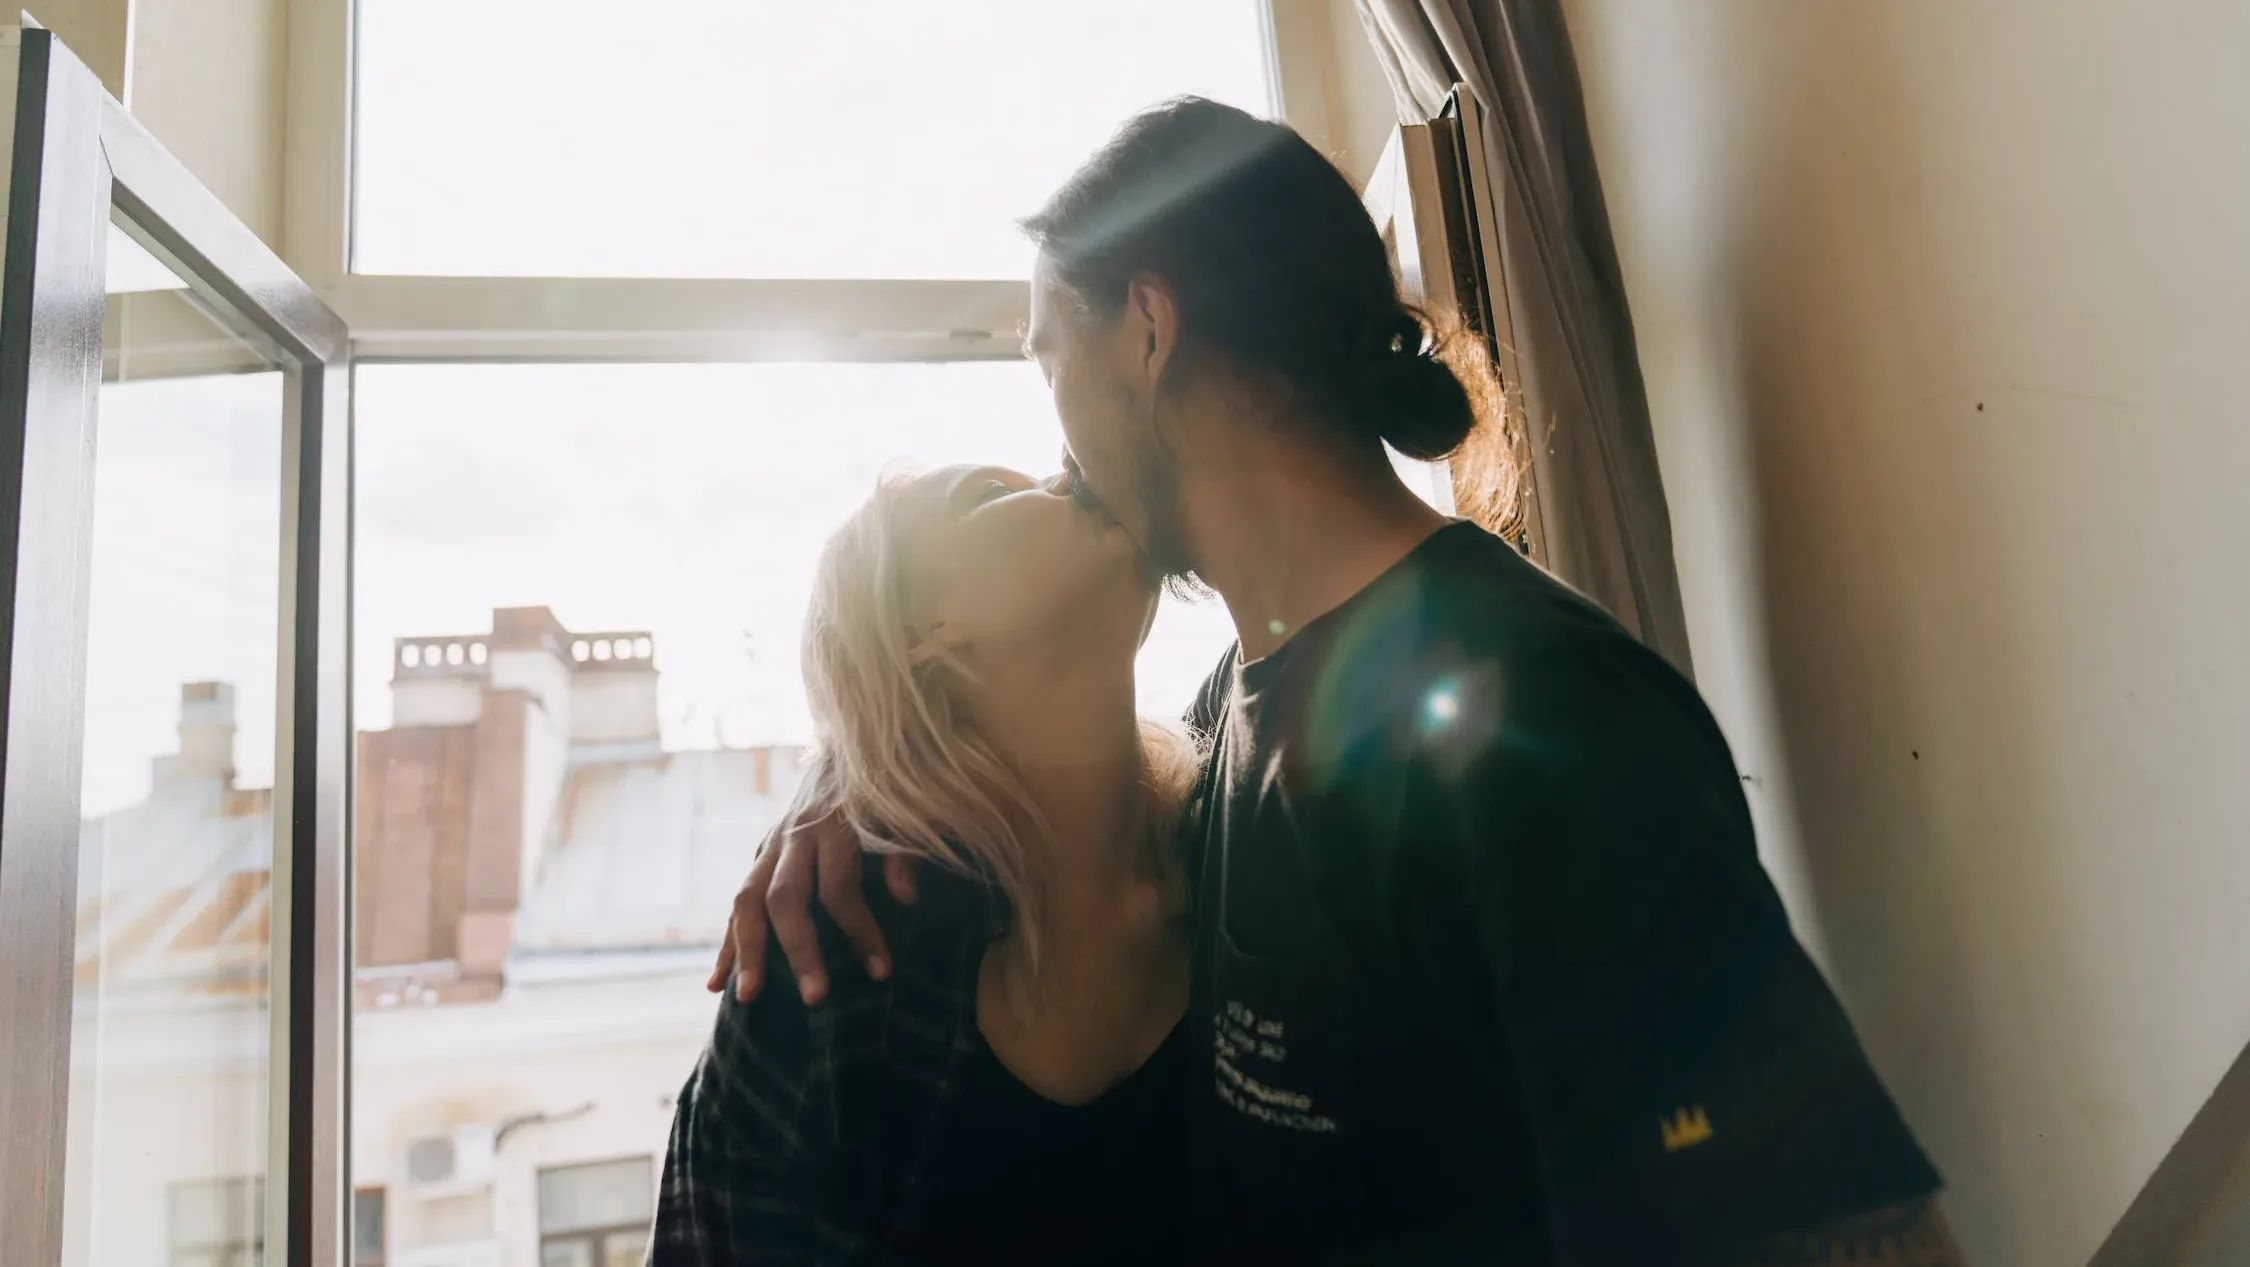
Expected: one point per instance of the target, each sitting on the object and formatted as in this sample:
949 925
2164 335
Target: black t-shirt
1021 1179
1488 969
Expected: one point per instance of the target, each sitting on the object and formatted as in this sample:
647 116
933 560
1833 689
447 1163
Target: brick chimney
613 694
206 737
438 681
456 800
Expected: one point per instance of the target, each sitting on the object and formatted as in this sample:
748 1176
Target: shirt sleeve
1690 1082
735 1187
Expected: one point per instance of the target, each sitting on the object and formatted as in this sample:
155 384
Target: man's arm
1910 1234
1694 1089
813 854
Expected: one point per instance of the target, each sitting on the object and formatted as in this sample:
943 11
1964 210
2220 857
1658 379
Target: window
171 1058
606 254
683 504
596 1215
218 1223
633 547
644 300
717 138
368 1228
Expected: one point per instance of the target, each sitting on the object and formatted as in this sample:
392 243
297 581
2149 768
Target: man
1486 967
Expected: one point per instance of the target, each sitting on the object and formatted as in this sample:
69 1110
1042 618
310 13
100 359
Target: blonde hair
903 763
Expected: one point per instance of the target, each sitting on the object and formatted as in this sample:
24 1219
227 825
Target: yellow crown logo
1685 1129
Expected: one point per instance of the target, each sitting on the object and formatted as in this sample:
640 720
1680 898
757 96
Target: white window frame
661 319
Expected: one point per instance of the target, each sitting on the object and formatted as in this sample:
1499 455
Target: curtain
1594 473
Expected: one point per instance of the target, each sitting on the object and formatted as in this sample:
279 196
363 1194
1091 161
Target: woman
1014 1089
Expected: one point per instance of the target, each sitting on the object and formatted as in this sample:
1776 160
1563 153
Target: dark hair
1273 262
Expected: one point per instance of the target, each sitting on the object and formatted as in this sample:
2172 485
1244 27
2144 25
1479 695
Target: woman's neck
1074 742
1110 977
1108 893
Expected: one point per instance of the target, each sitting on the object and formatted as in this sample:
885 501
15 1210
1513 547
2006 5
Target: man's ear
1154 318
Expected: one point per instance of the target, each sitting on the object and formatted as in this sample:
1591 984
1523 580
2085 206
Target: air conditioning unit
454 1164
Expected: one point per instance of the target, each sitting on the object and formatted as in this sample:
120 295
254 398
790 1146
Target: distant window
218 1223
596 1215
367 1228
720 138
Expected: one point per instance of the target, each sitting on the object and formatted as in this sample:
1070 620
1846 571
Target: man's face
1098 371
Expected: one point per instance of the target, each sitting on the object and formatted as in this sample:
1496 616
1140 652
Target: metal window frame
77 155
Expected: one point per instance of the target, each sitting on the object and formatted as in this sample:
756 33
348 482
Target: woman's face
1002 565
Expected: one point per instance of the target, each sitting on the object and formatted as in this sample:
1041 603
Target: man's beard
1155 485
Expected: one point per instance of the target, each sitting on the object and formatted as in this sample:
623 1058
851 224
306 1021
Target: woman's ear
926 644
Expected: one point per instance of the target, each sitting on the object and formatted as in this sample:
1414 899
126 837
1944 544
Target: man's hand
809 851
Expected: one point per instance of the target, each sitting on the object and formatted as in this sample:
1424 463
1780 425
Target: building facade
539 889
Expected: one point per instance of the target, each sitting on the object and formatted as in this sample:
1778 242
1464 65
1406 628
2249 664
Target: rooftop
628 853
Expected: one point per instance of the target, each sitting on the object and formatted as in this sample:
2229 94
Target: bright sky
186 572
690 500
755 138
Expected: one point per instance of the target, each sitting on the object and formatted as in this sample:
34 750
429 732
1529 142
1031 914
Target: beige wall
1331 84
98 31
1364 113
207 77
1944 307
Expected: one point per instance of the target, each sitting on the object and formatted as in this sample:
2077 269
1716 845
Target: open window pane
580 589
719 138
170 1083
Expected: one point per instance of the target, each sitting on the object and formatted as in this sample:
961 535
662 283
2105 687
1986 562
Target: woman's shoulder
936 943
803 1082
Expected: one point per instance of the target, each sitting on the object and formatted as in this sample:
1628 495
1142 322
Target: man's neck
1294 530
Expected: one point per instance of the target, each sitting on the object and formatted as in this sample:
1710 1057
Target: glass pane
169 1084
221 1213
571 1253
580 589
605 1194
692 138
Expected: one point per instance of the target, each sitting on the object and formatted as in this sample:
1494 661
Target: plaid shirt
805 1135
